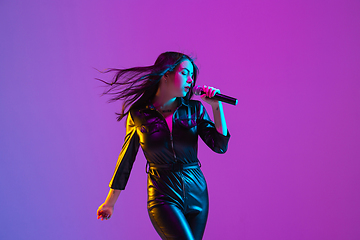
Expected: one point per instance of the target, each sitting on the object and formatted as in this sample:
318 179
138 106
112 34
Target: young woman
166 124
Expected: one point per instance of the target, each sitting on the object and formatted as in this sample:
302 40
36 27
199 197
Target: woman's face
180 81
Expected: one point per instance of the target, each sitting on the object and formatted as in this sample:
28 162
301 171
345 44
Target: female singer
166 124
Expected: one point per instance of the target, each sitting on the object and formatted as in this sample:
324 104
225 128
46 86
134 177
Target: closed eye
186 71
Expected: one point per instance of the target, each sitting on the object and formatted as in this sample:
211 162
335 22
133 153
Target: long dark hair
138 85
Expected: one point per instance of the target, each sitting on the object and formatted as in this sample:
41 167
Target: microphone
198 90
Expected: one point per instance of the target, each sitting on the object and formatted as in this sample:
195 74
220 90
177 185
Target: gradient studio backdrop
292 168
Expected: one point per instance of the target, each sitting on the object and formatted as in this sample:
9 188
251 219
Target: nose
189 79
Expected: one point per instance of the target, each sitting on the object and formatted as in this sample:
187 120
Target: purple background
292 168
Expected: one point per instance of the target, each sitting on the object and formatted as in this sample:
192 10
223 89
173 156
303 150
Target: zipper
172 146
173 149
170 133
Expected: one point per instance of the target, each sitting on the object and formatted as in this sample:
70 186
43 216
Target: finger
205 89
216 91
211 92
102 215
208 92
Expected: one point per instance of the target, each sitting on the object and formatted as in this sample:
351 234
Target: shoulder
135 114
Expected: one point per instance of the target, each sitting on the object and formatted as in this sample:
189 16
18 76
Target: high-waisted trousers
178 203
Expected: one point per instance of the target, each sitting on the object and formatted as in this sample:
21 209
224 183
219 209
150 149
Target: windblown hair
138 85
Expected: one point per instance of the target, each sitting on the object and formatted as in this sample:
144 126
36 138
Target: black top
147 127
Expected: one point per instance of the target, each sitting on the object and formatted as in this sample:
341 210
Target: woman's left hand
209 93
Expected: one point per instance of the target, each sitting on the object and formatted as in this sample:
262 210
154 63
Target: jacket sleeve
208 133
127 156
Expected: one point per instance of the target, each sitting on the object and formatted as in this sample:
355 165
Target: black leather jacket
147 127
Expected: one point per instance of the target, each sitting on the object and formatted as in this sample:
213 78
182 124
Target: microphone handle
224 98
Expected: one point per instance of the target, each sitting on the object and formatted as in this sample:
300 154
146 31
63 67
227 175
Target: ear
164 78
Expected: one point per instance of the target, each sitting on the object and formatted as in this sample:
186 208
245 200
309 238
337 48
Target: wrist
112 197
216 105
108 204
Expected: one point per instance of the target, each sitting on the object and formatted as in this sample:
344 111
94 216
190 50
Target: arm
122 170
107 208
112 197
217 108
219 118
214 134
126 157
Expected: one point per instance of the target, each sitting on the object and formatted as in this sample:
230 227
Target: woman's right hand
104 212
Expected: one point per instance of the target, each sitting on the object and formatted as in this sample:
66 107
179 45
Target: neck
164 101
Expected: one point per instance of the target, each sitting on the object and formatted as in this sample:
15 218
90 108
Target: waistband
174 167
